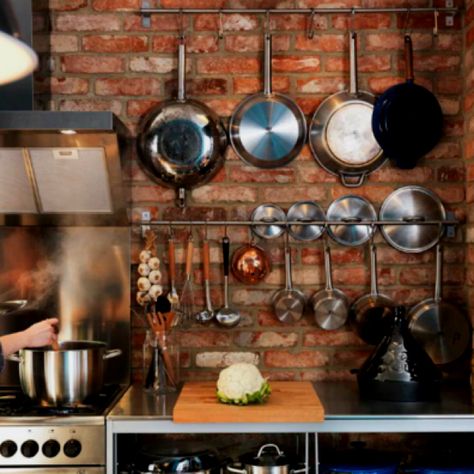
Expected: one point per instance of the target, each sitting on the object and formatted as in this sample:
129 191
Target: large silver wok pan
181 142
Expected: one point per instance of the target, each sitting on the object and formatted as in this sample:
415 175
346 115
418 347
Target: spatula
187 296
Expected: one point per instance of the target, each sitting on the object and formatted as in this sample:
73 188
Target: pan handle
267 65
235 470
439 273
353 87
112 353
373 270
351 181
181 70
327 266
14 357
288 279
409 59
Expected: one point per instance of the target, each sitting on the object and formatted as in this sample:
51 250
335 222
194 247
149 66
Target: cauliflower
242 384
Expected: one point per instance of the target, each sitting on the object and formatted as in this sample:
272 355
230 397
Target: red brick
298 193
153 64
341 337
192 3
323 42
53 43
266 339
92 64
198 86
449 42
450 194
375 21
115 44
152 194
395 41
372 63
299 359
389 255
159 23
296 63
449 84
222 107
164 44
138 108
91 105
205 338
433 62
426 276
234 22
253 43
116 5
196 44
214 193
288 22
128 86
62 85
248 174
351 358
59 5
84 22
351 276
374 193
308 104
451 174
252 85
389 174
324 85
228 65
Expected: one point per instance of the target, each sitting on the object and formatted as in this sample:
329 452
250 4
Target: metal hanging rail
301 11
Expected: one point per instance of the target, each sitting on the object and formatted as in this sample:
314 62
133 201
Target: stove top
14 403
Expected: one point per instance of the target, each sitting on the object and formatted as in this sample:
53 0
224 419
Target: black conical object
399 369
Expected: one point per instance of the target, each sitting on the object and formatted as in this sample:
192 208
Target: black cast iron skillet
407 121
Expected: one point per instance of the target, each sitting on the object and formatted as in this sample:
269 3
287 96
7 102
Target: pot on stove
269 460
64 377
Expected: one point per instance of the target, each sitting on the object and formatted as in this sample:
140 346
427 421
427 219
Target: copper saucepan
250 264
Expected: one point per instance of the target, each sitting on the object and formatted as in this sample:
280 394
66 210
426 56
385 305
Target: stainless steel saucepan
64 377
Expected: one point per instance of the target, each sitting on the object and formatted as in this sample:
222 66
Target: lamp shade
17 58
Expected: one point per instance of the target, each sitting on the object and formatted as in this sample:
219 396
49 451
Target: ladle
227 316
207 314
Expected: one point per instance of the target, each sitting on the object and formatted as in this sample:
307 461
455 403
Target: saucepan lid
412 204
306 211
268 213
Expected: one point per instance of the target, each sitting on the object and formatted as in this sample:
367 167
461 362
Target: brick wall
97 56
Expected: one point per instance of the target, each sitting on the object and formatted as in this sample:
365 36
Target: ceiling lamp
17 58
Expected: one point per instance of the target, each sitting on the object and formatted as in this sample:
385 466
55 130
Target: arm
37 335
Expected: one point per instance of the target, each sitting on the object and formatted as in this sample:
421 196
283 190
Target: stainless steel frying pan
268 129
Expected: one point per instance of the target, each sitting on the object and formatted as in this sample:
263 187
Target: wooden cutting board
289 402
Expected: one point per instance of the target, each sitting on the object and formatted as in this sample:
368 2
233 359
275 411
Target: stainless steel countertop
345 412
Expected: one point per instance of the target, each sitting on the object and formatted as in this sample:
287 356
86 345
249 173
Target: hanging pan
181 142
441 328
340 134
268 129
407 121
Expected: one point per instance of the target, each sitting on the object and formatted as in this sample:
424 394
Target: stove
69 439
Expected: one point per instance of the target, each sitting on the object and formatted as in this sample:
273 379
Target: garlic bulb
155 291
144 269
143 298
144 256
155 277
143 284
154 263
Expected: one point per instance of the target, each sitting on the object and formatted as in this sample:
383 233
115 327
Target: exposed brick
211 193
372 63
198 86
252 85
62 85
91 105
114 43
253 43
324 42
223 359
59 5
92 64
205 338
299 359
228 65
155 65
159 23
328 85
395 41
234 22
298 193
138 108
433 62
116 5
266 339
56 43
84 22
248 174
128 86
341 337
362 22
292 64
152 194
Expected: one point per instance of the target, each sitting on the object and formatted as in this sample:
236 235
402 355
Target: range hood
58 168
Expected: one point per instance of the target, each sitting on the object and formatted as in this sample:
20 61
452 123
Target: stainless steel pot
269 460
64 377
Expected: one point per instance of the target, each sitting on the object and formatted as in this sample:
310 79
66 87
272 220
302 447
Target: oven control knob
51 448
29 448
8 448
72 448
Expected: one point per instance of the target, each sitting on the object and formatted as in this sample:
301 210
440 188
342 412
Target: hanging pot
412 204
268 129
351 209
341 136
407 121
181 142
269 460
250 264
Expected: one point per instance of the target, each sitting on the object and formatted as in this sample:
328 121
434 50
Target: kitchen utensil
340 134
207 314
330 305
441 328
173 296
269 460
407 121
412 204
227 316
371 312
64 377
12 305
268 129
288 303
268 213
305 211
181 142
250 264
351 209
187 295
399 369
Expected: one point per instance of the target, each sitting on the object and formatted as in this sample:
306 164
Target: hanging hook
407 22
267 22
353 15
435 28
190 235
171 232
181 24
310 27
220 33
205 230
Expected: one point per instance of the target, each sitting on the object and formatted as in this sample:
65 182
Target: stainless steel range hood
58 168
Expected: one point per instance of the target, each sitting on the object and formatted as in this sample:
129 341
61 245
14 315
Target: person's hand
42 333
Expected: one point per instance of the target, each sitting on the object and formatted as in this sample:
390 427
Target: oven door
52 470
